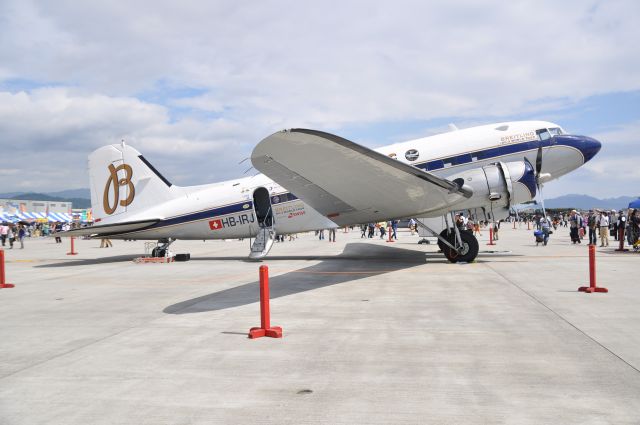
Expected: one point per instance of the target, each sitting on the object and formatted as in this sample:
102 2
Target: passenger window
543 134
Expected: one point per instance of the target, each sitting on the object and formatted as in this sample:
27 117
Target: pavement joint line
563 318
73 350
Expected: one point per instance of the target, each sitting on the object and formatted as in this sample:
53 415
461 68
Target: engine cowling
497 185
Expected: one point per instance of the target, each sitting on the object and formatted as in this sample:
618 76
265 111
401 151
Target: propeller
538 182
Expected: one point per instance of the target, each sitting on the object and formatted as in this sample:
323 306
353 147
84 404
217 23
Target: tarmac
374 333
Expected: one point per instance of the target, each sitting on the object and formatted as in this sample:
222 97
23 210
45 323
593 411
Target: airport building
23 205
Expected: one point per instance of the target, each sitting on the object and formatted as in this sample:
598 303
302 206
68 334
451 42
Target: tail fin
122 181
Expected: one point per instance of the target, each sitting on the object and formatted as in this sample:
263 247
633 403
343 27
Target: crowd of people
12 233
592 225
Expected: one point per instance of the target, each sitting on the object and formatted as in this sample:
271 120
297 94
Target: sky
195 85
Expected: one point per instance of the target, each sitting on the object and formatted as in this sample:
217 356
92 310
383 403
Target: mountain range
586 202
81 198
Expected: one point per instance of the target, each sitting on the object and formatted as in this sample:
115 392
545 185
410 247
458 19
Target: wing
348 182
110 229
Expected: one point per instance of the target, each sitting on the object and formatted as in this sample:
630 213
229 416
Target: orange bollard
389 232
2 278
592 274
621 247
73 252
491 235
265 328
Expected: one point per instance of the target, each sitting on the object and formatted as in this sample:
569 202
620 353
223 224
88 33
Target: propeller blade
539 161
538 183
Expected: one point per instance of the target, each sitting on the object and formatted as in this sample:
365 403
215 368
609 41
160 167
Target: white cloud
263 66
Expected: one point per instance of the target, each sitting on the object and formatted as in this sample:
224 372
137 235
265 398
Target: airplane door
264 216
262 207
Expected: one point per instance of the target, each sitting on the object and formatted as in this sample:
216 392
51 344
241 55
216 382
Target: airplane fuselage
228 209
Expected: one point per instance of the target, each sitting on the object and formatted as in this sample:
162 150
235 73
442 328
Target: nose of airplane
588 146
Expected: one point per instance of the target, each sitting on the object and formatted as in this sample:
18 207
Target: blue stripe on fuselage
495 152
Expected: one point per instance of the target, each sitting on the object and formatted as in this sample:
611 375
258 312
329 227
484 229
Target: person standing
412 226
4 229
575 222
545 228
22 232
592 224
11 236
332 234
620 223
603 223
394 228
372 230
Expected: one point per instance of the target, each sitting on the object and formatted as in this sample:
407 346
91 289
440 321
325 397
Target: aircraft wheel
470 248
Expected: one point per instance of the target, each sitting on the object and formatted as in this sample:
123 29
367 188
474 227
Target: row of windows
544 135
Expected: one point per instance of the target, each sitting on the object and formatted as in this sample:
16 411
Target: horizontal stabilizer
110 229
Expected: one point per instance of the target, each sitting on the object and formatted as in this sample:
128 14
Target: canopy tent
8 218
635 204
29 216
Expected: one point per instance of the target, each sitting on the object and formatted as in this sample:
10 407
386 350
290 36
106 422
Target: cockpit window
556 131
543 134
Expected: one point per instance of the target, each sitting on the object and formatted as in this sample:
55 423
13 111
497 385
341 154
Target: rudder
124 182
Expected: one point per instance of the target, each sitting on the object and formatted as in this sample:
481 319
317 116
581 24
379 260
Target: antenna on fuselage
453 127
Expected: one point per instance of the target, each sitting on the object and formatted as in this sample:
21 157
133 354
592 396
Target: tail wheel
469 251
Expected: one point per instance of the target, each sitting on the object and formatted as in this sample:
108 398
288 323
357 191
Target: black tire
157 252
468 253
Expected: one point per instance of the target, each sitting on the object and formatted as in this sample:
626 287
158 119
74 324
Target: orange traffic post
592 274
2 278
491 235
265 328
73 251
621 247
389 231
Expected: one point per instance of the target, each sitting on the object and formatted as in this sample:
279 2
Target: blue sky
195 85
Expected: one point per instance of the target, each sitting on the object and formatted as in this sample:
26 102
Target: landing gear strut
457 245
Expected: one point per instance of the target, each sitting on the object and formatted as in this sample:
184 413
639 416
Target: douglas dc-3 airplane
313 180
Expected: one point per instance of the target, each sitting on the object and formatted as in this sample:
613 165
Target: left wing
350 183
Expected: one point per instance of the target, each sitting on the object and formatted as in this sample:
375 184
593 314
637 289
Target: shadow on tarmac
90 261
357 261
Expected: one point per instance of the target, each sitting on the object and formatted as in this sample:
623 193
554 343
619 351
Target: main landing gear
466 251
162 248
457 245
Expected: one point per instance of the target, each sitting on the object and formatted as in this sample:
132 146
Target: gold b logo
116 183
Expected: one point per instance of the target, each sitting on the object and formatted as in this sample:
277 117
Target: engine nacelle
498 185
